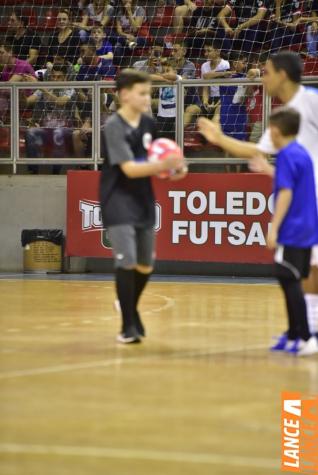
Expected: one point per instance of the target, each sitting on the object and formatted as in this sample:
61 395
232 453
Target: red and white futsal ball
161 149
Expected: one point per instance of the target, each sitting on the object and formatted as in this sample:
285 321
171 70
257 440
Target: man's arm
33 55
282 204
237 148
252 21
60 101
222 17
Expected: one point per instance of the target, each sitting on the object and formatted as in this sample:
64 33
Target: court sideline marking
150 455
118 361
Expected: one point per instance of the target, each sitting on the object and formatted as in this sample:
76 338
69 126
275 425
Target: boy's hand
271 239
211 131
173 162
180 174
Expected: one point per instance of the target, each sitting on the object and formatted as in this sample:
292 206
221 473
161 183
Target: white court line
62 368
150 455
119 361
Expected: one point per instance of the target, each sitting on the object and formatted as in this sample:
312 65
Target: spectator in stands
286 29
185 9
312 31
93 67
204 26
131 27
104 49
249 31
53 119
14 69
153 65
65 42
254 106
96 13
185 67
25 42
166 117
215 67
233 113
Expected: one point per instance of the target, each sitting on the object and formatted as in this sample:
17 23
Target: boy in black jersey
126 194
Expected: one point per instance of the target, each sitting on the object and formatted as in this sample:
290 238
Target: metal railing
96 88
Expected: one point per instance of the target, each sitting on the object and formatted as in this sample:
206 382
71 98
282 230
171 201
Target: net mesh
83 40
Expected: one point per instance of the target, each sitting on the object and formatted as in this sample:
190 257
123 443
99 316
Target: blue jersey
294 171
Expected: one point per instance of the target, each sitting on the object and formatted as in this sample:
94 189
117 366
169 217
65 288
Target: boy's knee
144 269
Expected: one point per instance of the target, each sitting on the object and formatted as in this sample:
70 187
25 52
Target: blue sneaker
294 348
281 344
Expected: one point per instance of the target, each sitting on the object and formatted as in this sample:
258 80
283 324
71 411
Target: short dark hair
287 120
129 77
60 68
21 15
158 42
289 62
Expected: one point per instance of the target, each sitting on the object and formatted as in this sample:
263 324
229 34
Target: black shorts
292 262
209 113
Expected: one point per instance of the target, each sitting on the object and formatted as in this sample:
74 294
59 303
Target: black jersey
246 9
204 17
126 200
289 9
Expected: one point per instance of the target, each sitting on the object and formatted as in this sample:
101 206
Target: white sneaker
309 347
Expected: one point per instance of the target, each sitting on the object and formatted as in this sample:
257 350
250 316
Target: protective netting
63 40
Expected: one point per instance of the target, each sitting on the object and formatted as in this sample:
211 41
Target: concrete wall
28 202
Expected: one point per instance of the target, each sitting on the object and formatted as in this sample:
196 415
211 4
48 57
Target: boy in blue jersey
294 227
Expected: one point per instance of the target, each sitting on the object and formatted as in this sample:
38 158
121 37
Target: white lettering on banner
234 202
177 195
91 215
213 209
197 196
249 203
253 209
218 227
236 233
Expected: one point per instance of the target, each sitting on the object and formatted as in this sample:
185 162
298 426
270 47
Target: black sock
140 283
296 309
125 286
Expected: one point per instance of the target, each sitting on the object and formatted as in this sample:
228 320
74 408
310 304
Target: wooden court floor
200 396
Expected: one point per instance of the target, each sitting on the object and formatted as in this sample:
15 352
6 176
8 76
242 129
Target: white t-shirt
305 101
206 68
167 100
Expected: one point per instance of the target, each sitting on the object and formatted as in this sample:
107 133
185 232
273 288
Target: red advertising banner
207 217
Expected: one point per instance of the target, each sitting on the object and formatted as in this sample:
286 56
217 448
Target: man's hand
210 130
271 240
237 32
229 31
192 7
259 164
29 78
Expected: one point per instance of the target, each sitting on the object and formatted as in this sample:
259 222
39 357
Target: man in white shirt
282 79
215 67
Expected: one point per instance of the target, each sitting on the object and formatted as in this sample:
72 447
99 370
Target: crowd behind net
78 40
